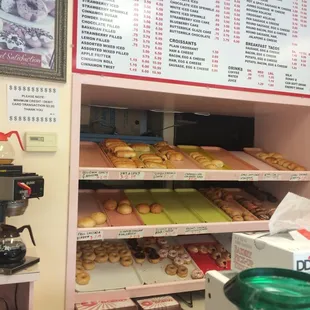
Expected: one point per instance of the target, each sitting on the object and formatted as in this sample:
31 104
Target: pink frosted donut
187 259
32 10
162 241
172 254
163 253
178 261
197 274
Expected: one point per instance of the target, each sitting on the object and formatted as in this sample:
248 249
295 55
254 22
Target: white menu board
257 45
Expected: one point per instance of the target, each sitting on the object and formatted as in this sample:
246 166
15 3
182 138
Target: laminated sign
261 46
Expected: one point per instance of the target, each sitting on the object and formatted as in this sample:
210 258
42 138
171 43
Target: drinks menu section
261 45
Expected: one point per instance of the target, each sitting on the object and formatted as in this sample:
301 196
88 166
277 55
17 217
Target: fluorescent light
164 111
104 106
202 113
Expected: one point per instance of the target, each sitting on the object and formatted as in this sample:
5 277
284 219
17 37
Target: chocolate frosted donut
32 10
132 243
149 250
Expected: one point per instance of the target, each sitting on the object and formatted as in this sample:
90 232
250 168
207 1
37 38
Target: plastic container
269 289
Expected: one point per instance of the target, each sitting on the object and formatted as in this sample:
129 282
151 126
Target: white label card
131 175
299 177
130 233
32 104
164 175
166 232
94 175
196 230
271 176
248 177
89 235
194 176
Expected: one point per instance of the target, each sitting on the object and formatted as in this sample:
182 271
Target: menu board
254 45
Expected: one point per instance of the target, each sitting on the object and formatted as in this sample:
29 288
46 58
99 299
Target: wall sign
252 45
32 104
33 38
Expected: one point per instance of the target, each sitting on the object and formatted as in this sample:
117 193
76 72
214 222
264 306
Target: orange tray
88 204
254 151
92 156
115 218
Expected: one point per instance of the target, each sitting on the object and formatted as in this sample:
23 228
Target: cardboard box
263 250
159 303
121 304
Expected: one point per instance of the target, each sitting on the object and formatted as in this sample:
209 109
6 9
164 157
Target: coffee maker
16 189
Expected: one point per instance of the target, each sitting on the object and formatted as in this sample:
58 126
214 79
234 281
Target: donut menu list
261 45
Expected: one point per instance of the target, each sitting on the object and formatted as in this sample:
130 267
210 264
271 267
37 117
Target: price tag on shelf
194 176
131 175
248 177
299 177
164 175
94 175
271 176
130 233
166 232
90 235
196 230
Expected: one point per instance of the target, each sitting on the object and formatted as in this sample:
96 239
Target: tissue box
121 304
262 250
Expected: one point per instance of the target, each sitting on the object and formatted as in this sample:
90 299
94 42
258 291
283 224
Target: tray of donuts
202 158
97 263
162 260
225 201
275 160
138 155
262 209
90 213
209 256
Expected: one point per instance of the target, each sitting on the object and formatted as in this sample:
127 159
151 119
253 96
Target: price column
226 22
147 37
236 21
136 39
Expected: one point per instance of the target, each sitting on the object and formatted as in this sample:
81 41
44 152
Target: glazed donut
179 249
100 249
112 249
162 241
87 248
83 245
95 244
114 257
211 249
187 259
171 269
79 263
178 261
124 253
216 255
172 254
192 249
197 274
79 254
89 256
220 248
101 257
221 262
226 256
106 244
82 278
182 271
203 249
163 253
120 246
126 261
88 264
79 269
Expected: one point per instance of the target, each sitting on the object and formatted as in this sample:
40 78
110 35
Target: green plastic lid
269 289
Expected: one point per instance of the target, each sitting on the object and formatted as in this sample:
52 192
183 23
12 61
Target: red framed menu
252 45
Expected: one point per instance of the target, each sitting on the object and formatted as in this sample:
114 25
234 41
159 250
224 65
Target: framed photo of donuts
33 37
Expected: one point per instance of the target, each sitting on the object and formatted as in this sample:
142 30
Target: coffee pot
7 154
12 247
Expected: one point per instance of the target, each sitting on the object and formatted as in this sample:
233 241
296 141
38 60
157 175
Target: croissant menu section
262 45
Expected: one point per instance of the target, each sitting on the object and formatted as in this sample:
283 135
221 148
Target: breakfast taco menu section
252 44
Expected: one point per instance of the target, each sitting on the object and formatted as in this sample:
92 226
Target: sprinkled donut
32 10
187 259
172 254
197 274
178 261
9 41
163 253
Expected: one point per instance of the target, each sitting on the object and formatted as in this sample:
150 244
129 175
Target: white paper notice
32 104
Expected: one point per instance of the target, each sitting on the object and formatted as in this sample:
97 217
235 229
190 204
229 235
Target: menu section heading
261 45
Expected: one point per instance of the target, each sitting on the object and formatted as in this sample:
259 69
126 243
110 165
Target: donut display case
164 150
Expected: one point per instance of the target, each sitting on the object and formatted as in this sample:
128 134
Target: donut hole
32 5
